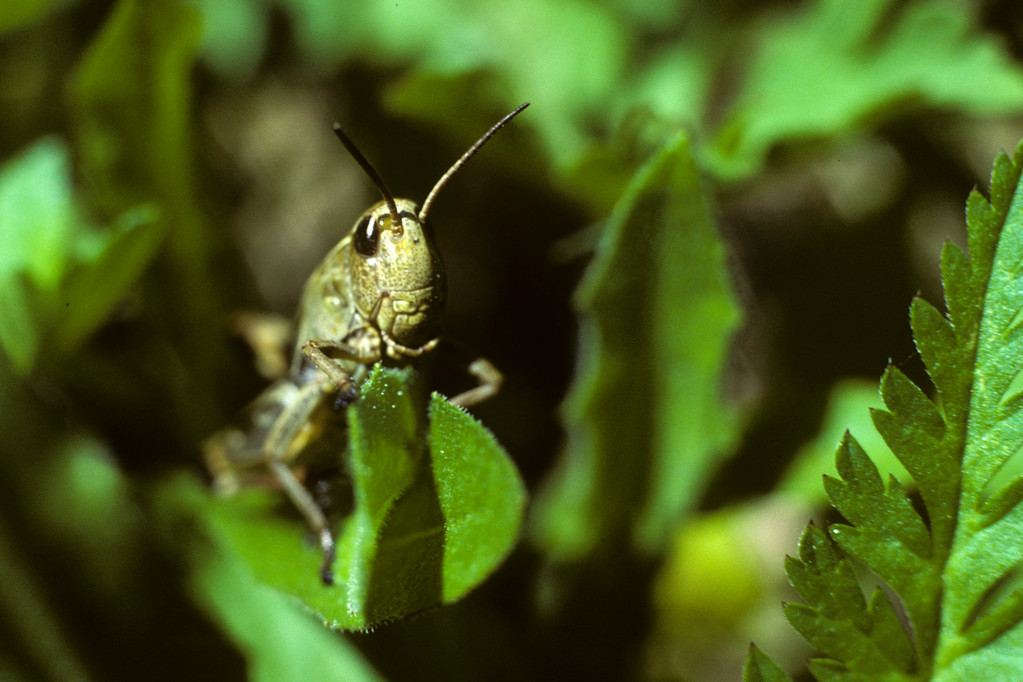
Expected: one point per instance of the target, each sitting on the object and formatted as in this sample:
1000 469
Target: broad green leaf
37 214
437 507
60 277
131 97
677 81
954 570
825 68
390 553
646 418
298 649
481 496
540 51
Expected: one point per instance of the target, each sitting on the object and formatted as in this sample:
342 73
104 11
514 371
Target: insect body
377 296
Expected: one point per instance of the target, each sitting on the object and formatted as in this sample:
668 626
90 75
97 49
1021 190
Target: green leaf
481 496
298 649
279 640
957 575
760 668
37 213
437 507
864 636
60 277
821 71
391 553
36 222
646 419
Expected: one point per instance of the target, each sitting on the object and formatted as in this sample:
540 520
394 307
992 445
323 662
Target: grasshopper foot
345 397
326 568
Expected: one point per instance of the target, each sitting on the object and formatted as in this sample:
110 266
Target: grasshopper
378 296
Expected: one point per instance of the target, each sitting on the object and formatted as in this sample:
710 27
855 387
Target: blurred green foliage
165 162
18 13
819 73
62 275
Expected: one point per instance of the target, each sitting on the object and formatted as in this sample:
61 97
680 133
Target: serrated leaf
905 398
863 636
821 571
934 337
437 507
865 500
959 577
646 418
999 660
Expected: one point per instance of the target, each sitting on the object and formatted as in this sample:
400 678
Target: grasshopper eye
366 237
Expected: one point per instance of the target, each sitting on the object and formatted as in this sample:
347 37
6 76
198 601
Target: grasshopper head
397 277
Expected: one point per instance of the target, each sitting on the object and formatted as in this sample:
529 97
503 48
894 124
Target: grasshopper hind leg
317 520
284 438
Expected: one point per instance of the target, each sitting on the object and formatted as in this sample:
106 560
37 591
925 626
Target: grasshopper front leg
324 354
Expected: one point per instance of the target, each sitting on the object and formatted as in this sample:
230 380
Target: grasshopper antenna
372 173
465 157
